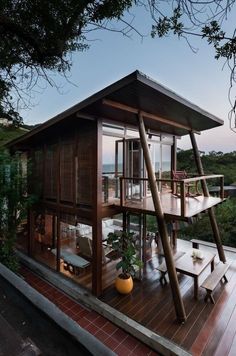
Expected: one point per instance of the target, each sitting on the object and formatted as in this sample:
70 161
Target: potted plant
123 244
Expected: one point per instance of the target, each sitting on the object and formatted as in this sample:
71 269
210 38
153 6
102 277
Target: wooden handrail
195 179
182 183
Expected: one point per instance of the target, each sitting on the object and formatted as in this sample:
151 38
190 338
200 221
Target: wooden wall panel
37 172
50 183
66 170
85 165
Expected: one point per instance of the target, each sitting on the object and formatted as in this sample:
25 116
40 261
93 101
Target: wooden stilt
97 216
173 163
211 211
178 303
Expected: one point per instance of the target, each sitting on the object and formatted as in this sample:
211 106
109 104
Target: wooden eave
143 94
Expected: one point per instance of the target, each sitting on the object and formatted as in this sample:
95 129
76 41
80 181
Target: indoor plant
123 243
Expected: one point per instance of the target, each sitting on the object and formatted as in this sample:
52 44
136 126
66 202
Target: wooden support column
211 211
177 299
58 200
124 221
173 163
97 211
30 212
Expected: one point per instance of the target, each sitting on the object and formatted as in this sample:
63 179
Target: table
194 267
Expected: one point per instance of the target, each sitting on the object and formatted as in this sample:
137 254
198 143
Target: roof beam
133 110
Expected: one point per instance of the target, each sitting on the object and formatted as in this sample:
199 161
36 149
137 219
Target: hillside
213 163
9 133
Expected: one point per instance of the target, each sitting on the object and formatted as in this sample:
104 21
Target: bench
71 261
163 269
196 243
213 279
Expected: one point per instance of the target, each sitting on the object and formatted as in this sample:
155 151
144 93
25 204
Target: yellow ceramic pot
124 285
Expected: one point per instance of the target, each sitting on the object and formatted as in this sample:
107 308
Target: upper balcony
180 199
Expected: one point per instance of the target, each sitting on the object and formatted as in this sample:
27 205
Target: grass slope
9 133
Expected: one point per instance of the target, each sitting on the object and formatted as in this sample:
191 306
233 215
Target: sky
198 77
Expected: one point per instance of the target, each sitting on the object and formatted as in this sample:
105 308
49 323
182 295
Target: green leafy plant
14 202
123 243
7 254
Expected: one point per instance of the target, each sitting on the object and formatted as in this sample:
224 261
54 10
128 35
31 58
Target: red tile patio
109 334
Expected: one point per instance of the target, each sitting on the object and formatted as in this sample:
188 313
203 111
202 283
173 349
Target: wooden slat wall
63 170
66 170
85 166
37 171
50 172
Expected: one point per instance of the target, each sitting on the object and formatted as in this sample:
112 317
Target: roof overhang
162 109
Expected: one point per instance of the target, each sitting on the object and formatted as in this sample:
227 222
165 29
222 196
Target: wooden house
105 164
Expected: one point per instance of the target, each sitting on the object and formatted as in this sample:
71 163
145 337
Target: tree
14 202
38 36
213 163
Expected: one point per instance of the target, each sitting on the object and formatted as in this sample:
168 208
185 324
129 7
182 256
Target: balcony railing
129 188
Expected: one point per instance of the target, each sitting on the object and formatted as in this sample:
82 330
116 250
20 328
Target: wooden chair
179 176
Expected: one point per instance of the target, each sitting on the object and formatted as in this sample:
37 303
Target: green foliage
151 223
9 133
37 36
185 18
13 204
8 256
40 36
124 245
213 163
166 24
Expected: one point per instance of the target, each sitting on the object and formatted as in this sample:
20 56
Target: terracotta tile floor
109 334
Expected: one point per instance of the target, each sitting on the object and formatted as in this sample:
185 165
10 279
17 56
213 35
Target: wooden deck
209 329
171 205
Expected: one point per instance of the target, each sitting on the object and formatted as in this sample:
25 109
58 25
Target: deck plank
206 329
222 307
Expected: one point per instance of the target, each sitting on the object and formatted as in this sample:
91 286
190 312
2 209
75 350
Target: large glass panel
112 167
132 133
134 168
44 239
166 139
134 226
166 166
76 251
155 152
22 236
113 130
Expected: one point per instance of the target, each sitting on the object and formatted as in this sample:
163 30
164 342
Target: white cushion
109 222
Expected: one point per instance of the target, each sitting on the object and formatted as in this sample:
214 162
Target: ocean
110 168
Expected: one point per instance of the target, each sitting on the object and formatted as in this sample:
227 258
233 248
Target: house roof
162 109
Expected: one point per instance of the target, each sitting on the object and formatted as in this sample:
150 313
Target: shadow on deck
209 329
